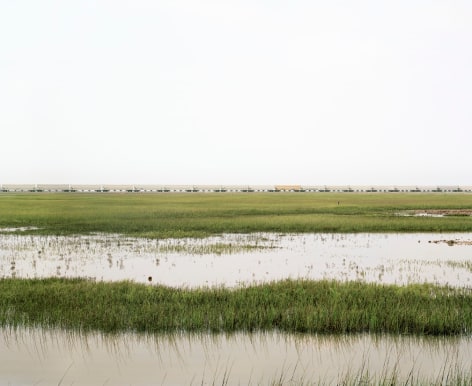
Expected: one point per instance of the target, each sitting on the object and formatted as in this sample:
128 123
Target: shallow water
44 357
231 259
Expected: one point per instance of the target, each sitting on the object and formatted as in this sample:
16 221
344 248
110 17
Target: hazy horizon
236 92
231 186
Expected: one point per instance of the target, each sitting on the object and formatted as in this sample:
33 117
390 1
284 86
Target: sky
236 92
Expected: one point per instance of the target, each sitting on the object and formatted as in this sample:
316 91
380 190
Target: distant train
57 188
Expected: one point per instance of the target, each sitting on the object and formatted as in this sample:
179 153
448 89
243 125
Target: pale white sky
236 92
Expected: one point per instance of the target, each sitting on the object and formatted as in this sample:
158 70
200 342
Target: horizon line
206 188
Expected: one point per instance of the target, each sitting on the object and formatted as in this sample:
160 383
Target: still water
31 356
52 357
230 259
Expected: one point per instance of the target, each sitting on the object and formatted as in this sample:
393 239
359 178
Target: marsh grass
196 215
325 307
217 248
450 375
467 265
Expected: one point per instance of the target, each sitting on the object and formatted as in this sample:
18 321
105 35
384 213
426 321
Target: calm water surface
234 259
46 357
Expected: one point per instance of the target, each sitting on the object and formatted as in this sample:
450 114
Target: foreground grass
197 215
292 306
450 376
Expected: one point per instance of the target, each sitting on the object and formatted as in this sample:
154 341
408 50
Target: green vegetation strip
326 307
197 215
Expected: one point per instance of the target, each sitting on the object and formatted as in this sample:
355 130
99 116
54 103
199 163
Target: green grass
325 307
197 215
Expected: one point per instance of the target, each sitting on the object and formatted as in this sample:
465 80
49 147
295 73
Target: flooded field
235 259
51 356
45 357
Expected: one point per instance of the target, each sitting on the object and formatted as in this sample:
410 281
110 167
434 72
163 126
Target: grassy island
326 307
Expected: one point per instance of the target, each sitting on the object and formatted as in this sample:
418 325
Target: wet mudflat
234 259
44 357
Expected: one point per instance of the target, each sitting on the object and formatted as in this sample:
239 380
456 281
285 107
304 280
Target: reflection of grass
180 215
294 306
306 359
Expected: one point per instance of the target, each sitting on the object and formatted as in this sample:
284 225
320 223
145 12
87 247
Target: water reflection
39 356
233 259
